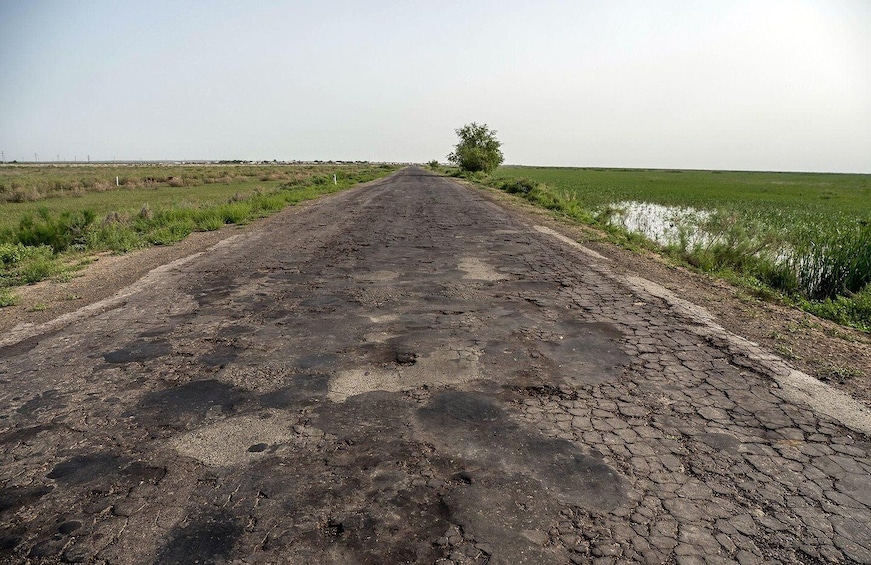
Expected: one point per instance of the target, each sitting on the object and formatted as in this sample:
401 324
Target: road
409 372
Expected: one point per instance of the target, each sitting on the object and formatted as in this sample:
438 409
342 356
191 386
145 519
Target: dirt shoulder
832 353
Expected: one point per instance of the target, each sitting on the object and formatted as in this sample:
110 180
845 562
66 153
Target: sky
755 85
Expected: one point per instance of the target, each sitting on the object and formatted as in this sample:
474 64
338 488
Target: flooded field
665 225
806 235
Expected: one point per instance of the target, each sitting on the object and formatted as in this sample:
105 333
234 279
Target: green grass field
68 213
132 199
805 236
28 182
829 194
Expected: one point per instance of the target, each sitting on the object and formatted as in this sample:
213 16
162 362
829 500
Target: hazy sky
725 85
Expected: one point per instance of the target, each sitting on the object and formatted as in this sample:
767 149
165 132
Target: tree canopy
477 149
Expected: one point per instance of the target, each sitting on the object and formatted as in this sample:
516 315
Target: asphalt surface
407 372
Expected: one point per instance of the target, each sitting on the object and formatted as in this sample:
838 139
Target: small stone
537 537
406 358
258 447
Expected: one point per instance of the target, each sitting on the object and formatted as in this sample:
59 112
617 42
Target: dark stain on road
25 345
465 412
141 472
139 352
303 388
205 539
12 498
234 331
23 434
721 441
195 397
48 400
585 353
81 469
314 360
221 355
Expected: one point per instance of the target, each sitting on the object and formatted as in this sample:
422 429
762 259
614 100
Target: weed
235 212
39 307
838 374
854 310
64 277
38 268
8 298
787 352
208 221
171 233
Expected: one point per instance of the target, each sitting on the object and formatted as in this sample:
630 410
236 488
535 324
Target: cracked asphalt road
407 372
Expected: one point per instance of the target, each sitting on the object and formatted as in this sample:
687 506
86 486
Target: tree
478 149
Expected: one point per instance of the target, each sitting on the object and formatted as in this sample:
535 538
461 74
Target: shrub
477 150
11 254
517 186
60 233
39 264
7 298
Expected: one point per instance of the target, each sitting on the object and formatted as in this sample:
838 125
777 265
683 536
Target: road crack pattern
406 372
